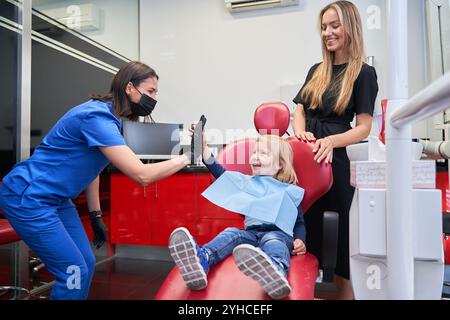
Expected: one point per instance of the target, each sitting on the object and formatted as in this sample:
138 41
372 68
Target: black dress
324 122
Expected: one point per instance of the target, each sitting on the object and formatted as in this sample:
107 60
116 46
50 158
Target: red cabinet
148 216
174 205
130 211
442 184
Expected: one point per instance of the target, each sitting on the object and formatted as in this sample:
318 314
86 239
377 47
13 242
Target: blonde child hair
285 157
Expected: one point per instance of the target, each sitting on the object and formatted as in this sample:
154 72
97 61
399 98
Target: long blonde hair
321 80
285 155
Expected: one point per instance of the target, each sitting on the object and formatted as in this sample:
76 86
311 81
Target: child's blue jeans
275 243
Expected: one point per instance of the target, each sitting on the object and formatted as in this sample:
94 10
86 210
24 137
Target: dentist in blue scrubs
36 195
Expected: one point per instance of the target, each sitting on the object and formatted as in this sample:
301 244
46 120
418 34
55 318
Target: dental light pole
402 114
399 233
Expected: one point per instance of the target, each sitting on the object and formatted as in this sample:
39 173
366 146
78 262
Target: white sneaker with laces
183 249
255 263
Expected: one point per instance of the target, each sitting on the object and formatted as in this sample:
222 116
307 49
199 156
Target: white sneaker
253 262
183 249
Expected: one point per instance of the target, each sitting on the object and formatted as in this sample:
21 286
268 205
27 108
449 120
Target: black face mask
145 106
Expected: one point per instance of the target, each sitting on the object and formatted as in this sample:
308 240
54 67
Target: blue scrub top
68 158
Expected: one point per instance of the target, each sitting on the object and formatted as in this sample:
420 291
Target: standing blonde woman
336 90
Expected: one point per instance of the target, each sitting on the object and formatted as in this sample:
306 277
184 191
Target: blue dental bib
259 197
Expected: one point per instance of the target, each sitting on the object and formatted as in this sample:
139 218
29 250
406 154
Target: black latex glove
99 228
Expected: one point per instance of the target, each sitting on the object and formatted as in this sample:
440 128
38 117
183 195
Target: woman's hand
299 248
305 136
99 228
324 150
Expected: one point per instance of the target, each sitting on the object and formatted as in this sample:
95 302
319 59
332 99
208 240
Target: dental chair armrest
329 244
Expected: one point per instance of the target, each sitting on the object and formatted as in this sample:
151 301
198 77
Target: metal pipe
399 238
23 123
24 83
430 101
436 149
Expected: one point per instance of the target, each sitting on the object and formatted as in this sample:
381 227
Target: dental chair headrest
272 118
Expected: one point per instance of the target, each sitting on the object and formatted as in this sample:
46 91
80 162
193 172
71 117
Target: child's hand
191 133
299 248
206 151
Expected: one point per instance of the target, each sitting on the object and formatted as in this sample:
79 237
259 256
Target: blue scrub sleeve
102 130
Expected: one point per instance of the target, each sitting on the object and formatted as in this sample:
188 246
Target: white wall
418 55
119 22
224 65
438 51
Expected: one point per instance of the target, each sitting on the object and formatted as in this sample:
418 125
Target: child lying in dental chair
274 225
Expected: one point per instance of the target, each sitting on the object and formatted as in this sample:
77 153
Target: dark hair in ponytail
134 72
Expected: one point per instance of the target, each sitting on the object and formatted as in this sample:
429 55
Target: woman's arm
97 224
324 147
360 132
92 195
299 124
126 161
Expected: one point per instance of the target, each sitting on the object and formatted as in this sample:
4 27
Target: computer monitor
153 140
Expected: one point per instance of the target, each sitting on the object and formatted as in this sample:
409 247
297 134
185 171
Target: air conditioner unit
241 5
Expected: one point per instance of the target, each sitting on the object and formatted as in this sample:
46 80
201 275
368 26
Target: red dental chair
8 236
225 281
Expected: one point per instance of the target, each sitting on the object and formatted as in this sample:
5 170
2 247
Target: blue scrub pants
57 236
